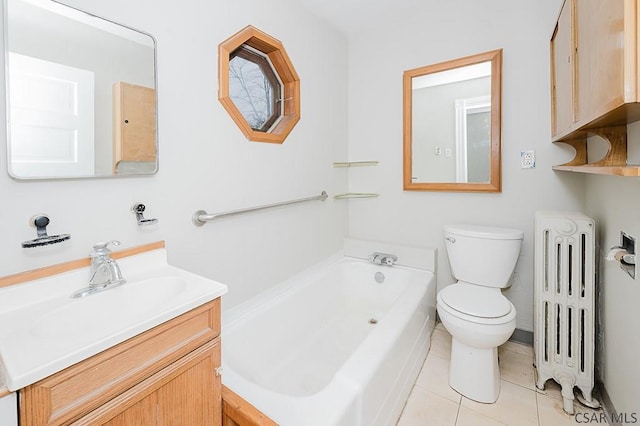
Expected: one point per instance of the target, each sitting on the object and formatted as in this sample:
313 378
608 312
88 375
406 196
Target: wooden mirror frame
274 50
495 181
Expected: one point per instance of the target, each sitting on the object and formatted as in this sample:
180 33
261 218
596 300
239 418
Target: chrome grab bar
201 217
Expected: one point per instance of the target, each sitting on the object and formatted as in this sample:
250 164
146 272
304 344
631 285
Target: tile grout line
510 350
518 384
458 412
537 407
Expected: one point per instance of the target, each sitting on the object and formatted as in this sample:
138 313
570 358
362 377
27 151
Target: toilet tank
482 255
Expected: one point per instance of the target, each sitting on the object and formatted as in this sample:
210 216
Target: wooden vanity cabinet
594 66
167 375
184 393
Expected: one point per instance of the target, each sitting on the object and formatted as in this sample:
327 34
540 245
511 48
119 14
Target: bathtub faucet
383 258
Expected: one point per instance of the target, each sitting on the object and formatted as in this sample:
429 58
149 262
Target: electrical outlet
527 159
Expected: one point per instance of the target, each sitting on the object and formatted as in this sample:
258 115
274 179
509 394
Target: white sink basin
43 330
133 301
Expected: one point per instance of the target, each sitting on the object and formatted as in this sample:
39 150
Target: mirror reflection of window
254 88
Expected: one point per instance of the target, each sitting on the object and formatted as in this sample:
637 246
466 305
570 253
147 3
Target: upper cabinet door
134 124
600 46
562 73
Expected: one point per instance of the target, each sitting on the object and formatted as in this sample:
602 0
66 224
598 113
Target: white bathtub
332 346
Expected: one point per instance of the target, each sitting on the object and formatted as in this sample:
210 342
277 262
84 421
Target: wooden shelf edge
601 170
355 163
624 114
4 391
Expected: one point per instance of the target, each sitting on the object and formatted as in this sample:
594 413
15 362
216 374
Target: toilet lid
476 300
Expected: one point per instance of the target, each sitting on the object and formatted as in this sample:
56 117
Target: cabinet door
562 73
141 413
600 57
195 396
187 392
134 123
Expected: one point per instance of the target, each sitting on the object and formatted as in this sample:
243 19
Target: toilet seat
476 304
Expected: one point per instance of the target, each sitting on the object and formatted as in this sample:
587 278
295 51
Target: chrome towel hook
138 209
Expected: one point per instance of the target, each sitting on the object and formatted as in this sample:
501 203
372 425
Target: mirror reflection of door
473 139
51 113
445 109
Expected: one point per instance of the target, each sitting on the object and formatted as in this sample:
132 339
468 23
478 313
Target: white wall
432 33
613 202
205 161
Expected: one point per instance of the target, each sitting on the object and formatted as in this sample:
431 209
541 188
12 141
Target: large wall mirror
452 125
81 94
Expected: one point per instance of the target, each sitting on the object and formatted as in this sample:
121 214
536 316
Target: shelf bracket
580 147
616 155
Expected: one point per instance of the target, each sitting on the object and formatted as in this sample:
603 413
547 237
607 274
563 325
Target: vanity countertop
4 391
45 330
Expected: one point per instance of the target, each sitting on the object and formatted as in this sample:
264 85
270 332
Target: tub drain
373 321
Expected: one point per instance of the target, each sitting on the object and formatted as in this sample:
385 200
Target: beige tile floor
433 402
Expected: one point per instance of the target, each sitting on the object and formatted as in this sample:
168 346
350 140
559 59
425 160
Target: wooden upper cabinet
562 59
600 69
134 123
594 75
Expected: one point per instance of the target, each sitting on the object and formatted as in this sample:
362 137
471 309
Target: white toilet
474 310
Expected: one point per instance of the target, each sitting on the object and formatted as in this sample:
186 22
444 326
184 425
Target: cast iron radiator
564 303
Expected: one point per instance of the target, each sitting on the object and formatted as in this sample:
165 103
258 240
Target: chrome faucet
383 258
104 272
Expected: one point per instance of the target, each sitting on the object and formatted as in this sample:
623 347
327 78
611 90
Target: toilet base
474 372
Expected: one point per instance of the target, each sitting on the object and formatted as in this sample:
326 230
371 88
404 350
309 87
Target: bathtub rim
271 296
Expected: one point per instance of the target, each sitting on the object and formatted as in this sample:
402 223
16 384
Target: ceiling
350 16
353 16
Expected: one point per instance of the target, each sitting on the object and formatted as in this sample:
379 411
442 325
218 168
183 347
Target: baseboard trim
607 405
522 336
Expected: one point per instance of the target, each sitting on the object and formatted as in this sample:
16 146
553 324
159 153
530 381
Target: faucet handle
383 258
101 249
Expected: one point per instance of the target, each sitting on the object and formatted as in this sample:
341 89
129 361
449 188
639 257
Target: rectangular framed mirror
452 125
83 103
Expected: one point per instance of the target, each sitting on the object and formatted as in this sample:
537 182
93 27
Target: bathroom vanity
149 379
146 352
